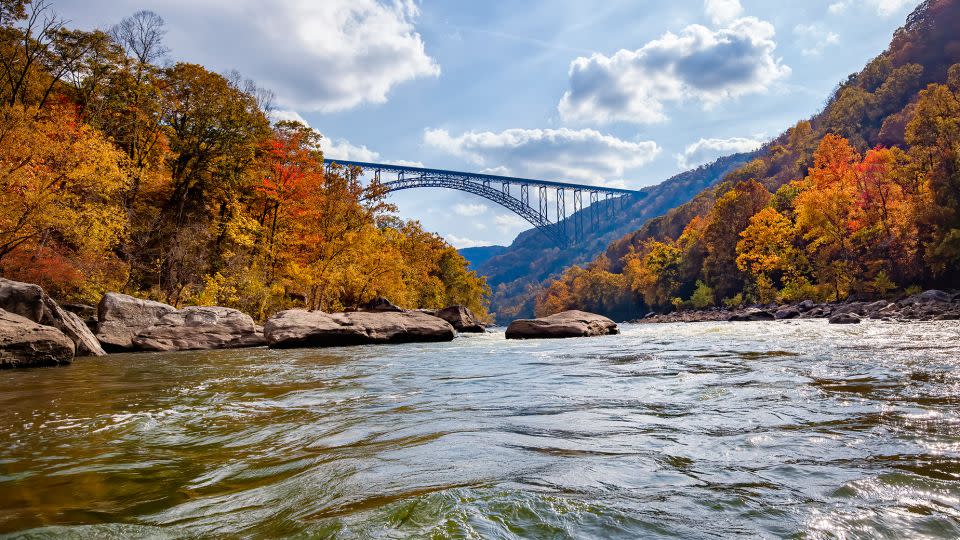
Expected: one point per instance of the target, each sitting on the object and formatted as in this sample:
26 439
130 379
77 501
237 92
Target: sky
623 93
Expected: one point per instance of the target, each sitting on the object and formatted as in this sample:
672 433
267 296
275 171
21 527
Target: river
703 430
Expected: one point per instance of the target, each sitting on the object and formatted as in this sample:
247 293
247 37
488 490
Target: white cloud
499 170
837 7
510 224
325 56
884 8
405 163
280 115
707 150
699 64
461 242
722 11
509 221
813 38
343 149
469 210
549 154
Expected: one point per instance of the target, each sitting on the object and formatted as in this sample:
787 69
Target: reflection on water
696 430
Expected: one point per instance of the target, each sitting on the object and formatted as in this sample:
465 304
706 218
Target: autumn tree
767 252
61 183
730 215
934 138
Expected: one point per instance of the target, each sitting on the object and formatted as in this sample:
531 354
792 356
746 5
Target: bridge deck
478 176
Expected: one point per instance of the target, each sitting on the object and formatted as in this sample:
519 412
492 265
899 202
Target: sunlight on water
699 430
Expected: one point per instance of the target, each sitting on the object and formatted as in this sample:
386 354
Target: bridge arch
480 184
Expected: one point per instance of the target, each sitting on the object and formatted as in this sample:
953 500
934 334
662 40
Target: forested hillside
120 172
517 274
862 199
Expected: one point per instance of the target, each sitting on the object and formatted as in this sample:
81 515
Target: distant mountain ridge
859 200
516 273
478 255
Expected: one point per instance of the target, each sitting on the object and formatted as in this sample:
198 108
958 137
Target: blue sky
623 93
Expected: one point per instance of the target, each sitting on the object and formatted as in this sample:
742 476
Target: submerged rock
121 317
751 314
197 328
301 328
565 324
30 301
787 312
461 318
844 318
25 343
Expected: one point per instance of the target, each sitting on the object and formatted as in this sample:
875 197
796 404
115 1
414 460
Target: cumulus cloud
325 56
343 149
884 8
461 242
551 154
281 115
699 63
707 150
469 210
722 11
813 38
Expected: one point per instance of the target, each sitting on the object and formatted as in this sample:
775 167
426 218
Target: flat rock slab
751 314
301 328
565 324
24 343
200 328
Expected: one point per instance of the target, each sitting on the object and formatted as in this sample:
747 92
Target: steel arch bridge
499 189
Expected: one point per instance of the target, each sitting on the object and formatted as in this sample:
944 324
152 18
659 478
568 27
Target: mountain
871 108
476 256
516 274
862 199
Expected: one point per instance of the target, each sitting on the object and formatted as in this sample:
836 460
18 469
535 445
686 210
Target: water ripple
703 430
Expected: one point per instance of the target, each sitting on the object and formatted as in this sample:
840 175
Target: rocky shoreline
35 331
931 305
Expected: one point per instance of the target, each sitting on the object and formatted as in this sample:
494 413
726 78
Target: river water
704 430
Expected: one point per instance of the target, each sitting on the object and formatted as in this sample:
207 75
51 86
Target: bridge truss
500 189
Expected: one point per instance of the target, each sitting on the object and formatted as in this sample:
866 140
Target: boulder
301 328
461 318
934 295
926 297
565 324
121 317
873 307
806 306
786 312
751 314
379 304
25 343
30 301
196 328
844 318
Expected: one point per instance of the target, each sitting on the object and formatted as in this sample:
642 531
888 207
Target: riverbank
931 305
